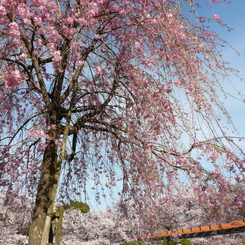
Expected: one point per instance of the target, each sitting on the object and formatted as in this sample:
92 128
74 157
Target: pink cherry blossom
216 17
23 56
23 10
13 30
13 78
56 56
98 69
2 11
80 62
38 133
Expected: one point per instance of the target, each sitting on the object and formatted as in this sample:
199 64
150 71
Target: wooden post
51 233
59 226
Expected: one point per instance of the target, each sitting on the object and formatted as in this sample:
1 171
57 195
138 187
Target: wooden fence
202 231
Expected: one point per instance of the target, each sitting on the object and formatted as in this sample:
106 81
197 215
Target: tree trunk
46 193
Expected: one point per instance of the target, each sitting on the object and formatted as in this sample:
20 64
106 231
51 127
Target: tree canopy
121 91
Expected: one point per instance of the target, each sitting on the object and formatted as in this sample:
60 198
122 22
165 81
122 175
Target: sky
233 15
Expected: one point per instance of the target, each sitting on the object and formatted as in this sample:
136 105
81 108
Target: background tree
127 89
110 227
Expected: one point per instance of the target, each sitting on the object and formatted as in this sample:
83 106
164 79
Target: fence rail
201 231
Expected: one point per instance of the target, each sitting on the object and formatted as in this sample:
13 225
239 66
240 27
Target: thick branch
74 80
85 118
59 78
36 66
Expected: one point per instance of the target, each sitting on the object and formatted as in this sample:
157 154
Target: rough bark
45 198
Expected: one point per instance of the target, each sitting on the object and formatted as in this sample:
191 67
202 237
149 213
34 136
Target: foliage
182 242
119 92
134 243
165 242
185 242
83 207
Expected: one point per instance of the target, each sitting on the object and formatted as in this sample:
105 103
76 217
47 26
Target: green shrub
133 243
171 243
185 242
83 207
166 242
